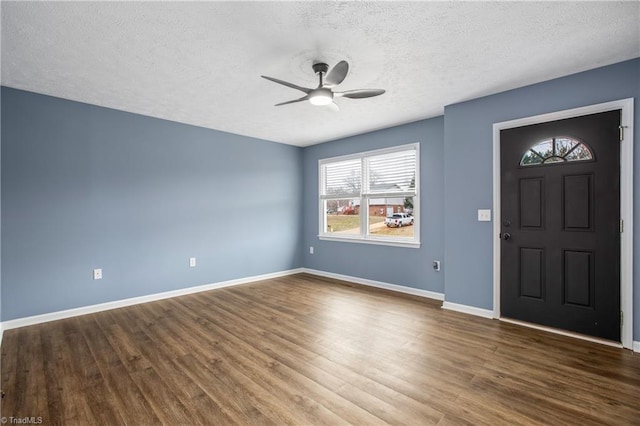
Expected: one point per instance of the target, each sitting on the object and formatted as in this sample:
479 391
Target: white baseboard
466 309
636 346
379 284
53 316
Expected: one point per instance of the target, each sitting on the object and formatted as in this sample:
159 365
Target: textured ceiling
200 63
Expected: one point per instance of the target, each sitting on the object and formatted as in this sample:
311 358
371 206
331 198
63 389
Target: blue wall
0 214
85 187
404 266
468 170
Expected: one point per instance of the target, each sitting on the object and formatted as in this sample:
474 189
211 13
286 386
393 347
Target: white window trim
364 218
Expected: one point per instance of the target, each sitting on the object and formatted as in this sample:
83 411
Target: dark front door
560 212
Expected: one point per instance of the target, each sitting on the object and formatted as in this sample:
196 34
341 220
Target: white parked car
399 219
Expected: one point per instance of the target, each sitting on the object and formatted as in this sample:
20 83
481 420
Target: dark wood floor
307 350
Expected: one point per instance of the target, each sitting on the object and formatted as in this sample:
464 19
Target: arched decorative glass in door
560 149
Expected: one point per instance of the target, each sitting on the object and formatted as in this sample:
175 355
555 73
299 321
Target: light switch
484 215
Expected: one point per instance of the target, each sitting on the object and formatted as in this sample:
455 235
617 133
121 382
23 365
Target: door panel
578 202
560 206
531 203
532 272
578 278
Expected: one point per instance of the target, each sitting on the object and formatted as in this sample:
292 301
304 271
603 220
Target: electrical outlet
192 262
311 250
436 265
97 274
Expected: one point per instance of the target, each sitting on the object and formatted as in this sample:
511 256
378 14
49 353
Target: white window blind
393 173
342 178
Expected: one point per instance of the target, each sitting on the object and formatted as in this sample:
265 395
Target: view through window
371 196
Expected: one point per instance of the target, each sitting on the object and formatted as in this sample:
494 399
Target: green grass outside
337 223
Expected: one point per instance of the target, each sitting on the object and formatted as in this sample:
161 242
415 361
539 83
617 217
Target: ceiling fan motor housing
320 67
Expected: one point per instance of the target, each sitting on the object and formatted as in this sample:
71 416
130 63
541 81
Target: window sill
375 241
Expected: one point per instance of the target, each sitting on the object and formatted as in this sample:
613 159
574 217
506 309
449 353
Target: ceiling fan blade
304 98
337 74
286 83
359 93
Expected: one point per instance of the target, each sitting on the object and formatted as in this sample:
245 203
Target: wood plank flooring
305 350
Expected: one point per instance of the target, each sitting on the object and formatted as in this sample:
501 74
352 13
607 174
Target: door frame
626 205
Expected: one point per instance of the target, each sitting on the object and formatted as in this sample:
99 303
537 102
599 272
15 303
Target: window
556 150
371 197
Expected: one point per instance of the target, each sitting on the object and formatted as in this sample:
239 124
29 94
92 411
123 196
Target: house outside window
371 197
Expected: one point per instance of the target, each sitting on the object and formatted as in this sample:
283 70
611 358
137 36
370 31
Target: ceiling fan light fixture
321 97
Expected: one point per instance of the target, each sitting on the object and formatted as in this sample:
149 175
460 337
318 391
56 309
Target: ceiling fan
323 94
